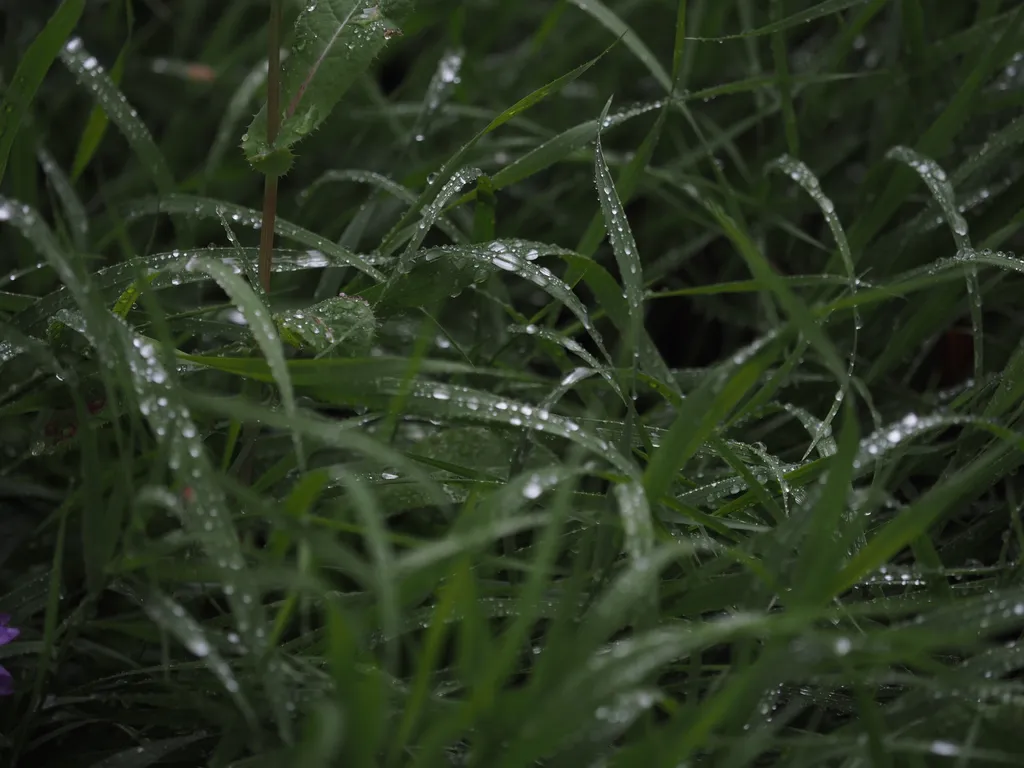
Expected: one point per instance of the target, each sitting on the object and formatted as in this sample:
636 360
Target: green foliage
640 385
343 325
32 68
335 41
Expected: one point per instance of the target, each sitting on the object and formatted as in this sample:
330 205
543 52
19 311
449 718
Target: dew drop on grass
441 85
513 256
938 184
533 489
944 748
431 214
91 76
803 176
321 249
636 519
623 245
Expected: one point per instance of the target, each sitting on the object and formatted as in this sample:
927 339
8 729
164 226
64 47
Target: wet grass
670 413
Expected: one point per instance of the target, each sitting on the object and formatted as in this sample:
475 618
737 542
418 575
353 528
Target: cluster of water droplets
776 469
938 184
92 76
465 403
818 429
803 176
441 86
895 435
624 709
324 327
942 190
622 115
1012 75
623 246
200 207
260 323
172 616
386 184
162 270
971 257
517 257
733 484
893 575
432 212
637 525
203 509
573 346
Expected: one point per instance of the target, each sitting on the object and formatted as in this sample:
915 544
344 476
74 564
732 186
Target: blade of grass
31 70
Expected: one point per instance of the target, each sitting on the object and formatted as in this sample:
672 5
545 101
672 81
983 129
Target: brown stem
273 123
267 230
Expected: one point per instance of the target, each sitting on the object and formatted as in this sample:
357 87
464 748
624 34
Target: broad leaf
340 326
335 41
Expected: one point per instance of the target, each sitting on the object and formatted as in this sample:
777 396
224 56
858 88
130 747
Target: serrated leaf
335 42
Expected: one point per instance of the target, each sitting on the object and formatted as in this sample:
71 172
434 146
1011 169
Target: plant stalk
273 123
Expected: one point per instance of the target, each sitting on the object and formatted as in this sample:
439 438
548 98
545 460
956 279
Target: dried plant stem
273 122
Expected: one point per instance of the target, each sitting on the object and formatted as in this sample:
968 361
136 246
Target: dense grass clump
572 383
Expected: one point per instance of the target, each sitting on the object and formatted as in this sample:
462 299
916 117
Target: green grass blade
384 184
938 184
96 126
626 185
793 306
31 70
455 161
824 8
431 213
780 55
607 18
237 108
562 145
204 207
151 752
623 246
827 532
74 209
91 76
699 415
262 327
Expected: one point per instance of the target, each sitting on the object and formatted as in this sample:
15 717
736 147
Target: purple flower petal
7 633
6 683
